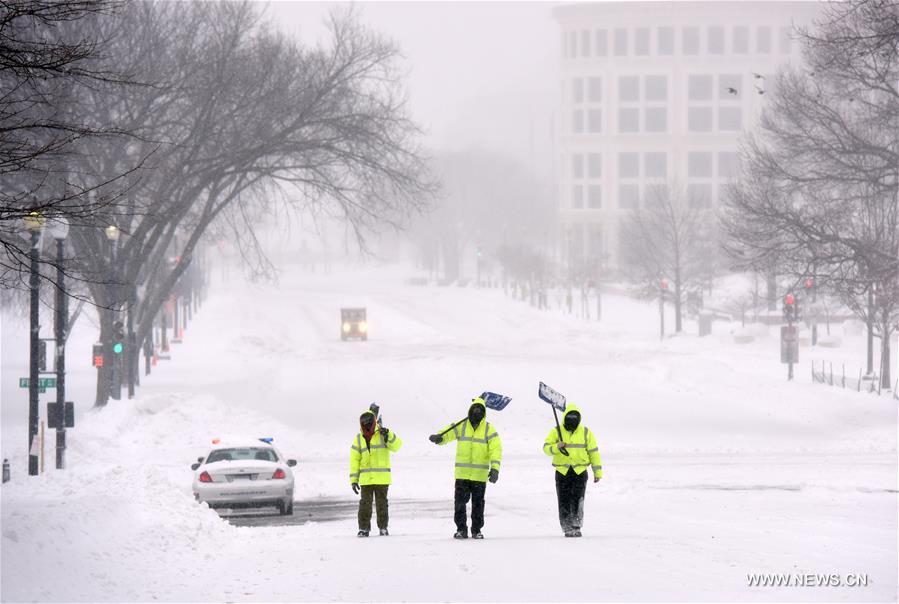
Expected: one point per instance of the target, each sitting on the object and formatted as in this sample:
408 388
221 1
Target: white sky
481 74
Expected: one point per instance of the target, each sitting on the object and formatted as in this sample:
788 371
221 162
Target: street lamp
115 367
59 229
34 223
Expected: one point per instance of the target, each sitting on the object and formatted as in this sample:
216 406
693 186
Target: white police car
246 473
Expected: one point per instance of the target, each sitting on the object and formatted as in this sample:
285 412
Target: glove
436 439
355 486
562 448
494 475
597 478
385 432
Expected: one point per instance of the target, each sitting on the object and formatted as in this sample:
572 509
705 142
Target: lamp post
115 366
59 229
34 223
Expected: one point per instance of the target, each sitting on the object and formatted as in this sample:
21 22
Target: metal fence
826 374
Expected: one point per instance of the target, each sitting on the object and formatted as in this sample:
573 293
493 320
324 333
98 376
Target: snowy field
714 466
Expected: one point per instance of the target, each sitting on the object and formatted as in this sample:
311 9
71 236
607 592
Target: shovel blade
495 401
556 399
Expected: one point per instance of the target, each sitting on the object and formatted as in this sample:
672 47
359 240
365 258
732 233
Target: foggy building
658 92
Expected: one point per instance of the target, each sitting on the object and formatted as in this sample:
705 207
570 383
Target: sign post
789 347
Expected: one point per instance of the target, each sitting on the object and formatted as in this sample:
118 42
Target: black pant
570 489
475 490
379 492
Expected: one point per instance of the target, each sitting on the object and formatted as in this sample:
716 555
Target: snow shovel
557 401
492 400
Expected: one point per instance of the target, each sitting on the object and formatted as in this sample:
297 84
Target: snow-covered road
715 466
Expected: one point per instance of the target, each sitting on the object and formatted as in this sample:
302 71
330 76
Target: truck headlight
363 327
346 328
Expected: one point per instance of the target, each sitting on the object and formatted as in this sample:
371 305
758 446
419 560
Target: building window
629 165
741 40
577 165
655 165
577 121
699 164
602 43
716 40
690 40
730 118
577 91
620 42
730 87
572 44
699 195
564 47
728 165
594 90
763 40
629 88
641 41
699 88
629 119
629 196
594 196
656 119
656 88
585 43
594 120
655 194
594 165
785 41
666 41
577 196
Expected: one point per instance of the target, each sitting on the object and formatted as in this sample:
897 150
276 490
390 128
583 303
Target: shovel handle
559 431
453 426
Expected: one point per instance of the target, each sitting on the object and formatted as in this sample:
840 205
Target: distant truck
353 324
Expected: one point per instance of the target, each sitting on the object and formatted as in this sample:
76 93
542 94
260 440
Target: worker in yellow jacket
370 469
478 456
578 442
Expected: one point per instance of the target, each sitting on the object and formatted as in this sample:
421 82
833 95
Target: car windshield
242 453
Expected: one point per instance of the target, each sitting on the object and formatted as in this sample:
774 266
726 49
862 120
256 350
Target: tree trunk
678 323
870 322
771 282
104 373
885 362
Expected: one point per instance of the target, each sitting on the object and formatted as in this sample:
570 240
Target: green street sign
41 383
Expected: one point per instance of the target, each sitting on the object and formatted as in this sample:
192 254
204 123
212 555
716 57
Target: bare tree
234 118
671 237
819 195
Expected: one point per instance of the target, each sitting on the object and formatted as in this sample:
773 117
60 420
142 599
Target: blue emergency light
267 440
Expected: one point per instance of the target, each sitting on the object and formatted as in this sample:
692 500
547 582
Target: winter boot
384 533
362 534
477 535
461 535
576 533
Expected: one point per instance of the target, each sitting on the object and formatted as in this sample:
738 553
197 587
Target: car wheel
286 508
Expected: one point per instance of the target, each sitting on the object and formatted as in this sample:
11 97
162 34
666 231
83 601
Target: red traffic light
809 283
663 283
789 300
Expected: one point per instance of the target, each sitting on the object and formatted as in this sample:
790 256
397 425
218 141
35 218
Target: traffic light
98 355
118 337
789 308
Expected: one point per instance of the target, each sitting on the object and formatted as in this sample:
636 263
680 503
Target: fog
449 301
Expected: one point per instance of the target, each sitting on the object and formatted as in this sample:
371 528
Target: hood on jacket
571 408
478 407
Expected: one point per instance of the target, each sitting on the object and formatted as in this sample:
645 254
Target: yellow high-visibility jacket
371 464
581 446
478 451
